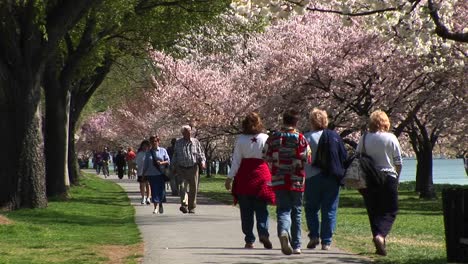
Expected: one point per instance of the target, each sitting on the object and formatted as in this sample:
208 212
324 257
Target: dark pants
120 171
158 188
250 205
382 206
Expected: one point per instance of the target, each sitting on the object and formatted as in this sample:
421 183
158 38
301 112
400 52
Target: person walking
381 201
106 158
131 165
145 190
322 187
155 161
188 155
172 176
252 179
120 162
286 153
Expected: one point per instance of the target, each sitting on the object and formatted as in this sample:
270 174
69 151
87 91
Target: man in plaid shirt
188 154
286 153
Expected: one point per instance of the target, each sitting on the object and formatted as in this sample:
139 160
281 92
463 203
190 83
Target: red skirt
254 179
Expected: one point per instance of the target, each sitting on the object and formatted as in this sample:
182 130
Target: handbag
355 177
156 164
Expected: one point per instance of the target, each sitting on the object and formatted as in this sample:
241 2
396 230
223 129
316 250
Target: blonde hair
379 121
318 119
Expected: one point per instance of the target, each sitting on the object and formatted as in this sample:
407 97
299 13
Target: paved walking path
212 235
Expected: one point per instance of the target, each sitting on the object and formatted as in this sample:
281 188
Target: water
449 171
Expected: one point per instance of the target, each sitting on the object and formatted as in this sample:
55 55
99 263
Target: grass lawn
96 225
417 235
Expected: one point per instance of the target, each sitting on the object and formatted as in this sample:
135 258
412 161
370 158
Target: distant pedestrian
323 183
120 162
156 160
382 201
188 156
97 161
286 153
173 176
250 180
131 164
106 158
145 189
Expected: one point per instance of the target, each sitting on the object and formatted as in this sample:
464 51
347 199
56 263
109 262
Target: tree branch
441 29
365 13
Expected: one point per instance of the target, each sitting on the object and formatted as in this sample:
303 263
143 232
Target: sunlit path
212 235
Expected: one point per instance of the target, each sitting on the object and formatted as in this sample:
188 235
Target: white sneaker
296 251
156 211
143 200
148 201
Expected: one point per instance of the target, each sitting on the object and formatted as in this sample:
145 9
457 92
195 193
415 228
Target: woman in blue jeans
250 180
321 188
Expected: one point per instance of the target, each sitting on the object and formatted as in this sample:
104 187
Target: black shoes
266 242
183 209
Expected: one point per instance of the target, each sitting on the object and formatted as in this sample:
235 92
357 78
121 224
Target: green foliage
71 231
417 235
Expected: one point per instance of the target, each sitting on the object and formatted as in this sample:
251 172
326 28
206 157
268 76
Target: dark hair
290 117
153 138
252 124
144 143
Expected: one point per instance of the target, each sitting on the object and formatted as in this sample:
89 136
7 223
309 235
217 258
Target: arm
236 160
166 160
201 155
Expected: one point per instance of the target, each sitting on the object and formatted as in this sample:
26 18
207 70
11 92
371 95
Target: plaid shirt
187 153
286 153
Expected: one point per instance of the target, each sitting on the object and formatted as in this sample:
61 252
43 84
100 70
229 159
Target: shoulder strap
364 143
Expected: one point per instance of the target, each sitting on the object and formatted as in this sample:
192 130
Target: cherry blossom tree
304 62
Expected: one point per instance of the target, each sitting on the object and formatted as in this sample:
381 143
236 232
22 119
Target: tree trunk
22 178
424 182
423 144
73 168
80 96
56 134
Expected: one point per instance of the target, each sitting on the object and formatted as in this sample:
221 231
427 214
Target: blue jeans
289 213
321 194
250 205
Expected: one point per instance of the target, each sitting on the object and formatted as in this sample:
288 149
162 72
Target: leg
330 197
312 206
193 188
283 216
246 204
174 185
370 198
148 190
283 212
142 183
296 217
261 215
387 207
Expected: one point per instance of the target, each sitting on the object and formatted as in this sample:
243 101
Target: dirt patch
5 221
121 254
